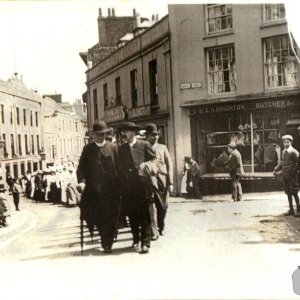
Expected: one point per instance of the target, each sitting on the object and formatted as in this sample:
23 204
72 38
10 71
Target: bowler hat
151 129
100 127
232 145
129 125
287 137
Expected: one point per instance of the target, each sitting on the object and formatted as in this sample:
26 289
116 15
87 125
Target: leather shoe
107 249
161 232
145 249
135 247
154 238
289 213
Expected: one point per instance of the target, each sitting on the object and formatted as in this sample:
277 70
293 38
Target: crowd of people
125 178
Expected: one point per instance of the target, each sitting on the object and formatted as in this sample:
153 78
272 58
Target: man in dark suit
165 167
97 178
135 203
235 168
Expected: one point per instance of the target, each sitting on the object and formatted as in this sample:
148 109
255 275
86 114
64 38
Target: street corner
18 224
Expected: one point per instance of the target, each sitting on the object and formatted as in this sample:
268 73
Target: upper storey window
275 11
219 17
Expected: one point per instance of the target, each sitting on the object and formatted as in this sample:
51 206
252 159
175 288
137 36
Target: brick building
235 78
134 81
21 126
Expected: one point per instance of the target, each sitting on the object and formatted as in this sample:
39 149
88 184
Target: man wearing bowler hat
97 178
289 167
235 169
165 166
133 190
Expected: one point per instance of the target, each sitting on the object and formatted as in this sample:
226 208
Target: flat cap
287 137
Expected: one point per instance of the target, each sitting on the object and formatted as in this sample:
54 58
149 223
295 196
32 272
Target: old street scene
149 151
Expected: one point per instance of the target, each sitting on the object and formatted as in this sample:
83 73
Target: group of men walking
132 179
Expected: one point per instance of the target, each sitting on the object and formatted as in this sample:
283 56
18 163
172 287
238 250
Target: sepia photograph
149 149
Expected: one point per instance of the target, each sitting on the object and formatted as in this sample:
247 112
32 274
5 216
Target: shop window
219 17
257 136
280 62
221 70
274 11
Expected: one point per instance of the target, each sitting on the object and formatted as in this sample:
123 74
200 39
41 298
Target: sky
41 40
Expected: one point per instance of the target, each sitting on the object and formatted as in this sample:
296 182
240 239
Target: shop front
256 126
142 115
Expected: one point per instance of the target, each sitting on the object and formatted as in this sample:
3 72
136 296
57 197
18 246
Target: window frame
118 93
105 95
133 88
277 87
208 72
272 8
153 82
207 18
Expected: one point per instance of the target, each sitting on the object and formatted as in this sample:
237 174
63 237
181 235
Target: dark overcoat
131 183
97 170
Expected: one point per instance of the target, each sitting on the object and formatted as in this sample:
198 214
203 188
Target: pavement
213 248
19 223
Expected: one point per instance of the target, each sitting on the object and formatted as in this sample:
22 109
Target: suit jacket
235 165
289 163
128 163
97 168
164 164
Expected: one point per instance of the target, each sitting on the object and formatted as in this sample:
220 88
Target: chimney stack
113 12
109 12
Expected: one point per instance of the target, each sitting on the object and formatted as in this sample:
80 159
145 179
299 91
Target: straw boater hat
101 127
287 137
232 145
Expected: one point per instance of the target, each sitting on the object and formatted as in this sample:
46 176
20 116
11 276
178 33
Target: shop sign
185 86
246 106
139 111
196 85
114 114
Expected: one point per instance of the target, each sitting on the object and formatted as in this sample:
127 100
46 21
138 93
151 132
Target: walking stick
81 235
118 215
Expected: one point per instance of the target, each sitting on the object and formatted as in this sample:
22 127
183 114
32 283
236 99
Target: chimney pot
113 12
152 18
109 12
157 17
100 12
134 12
